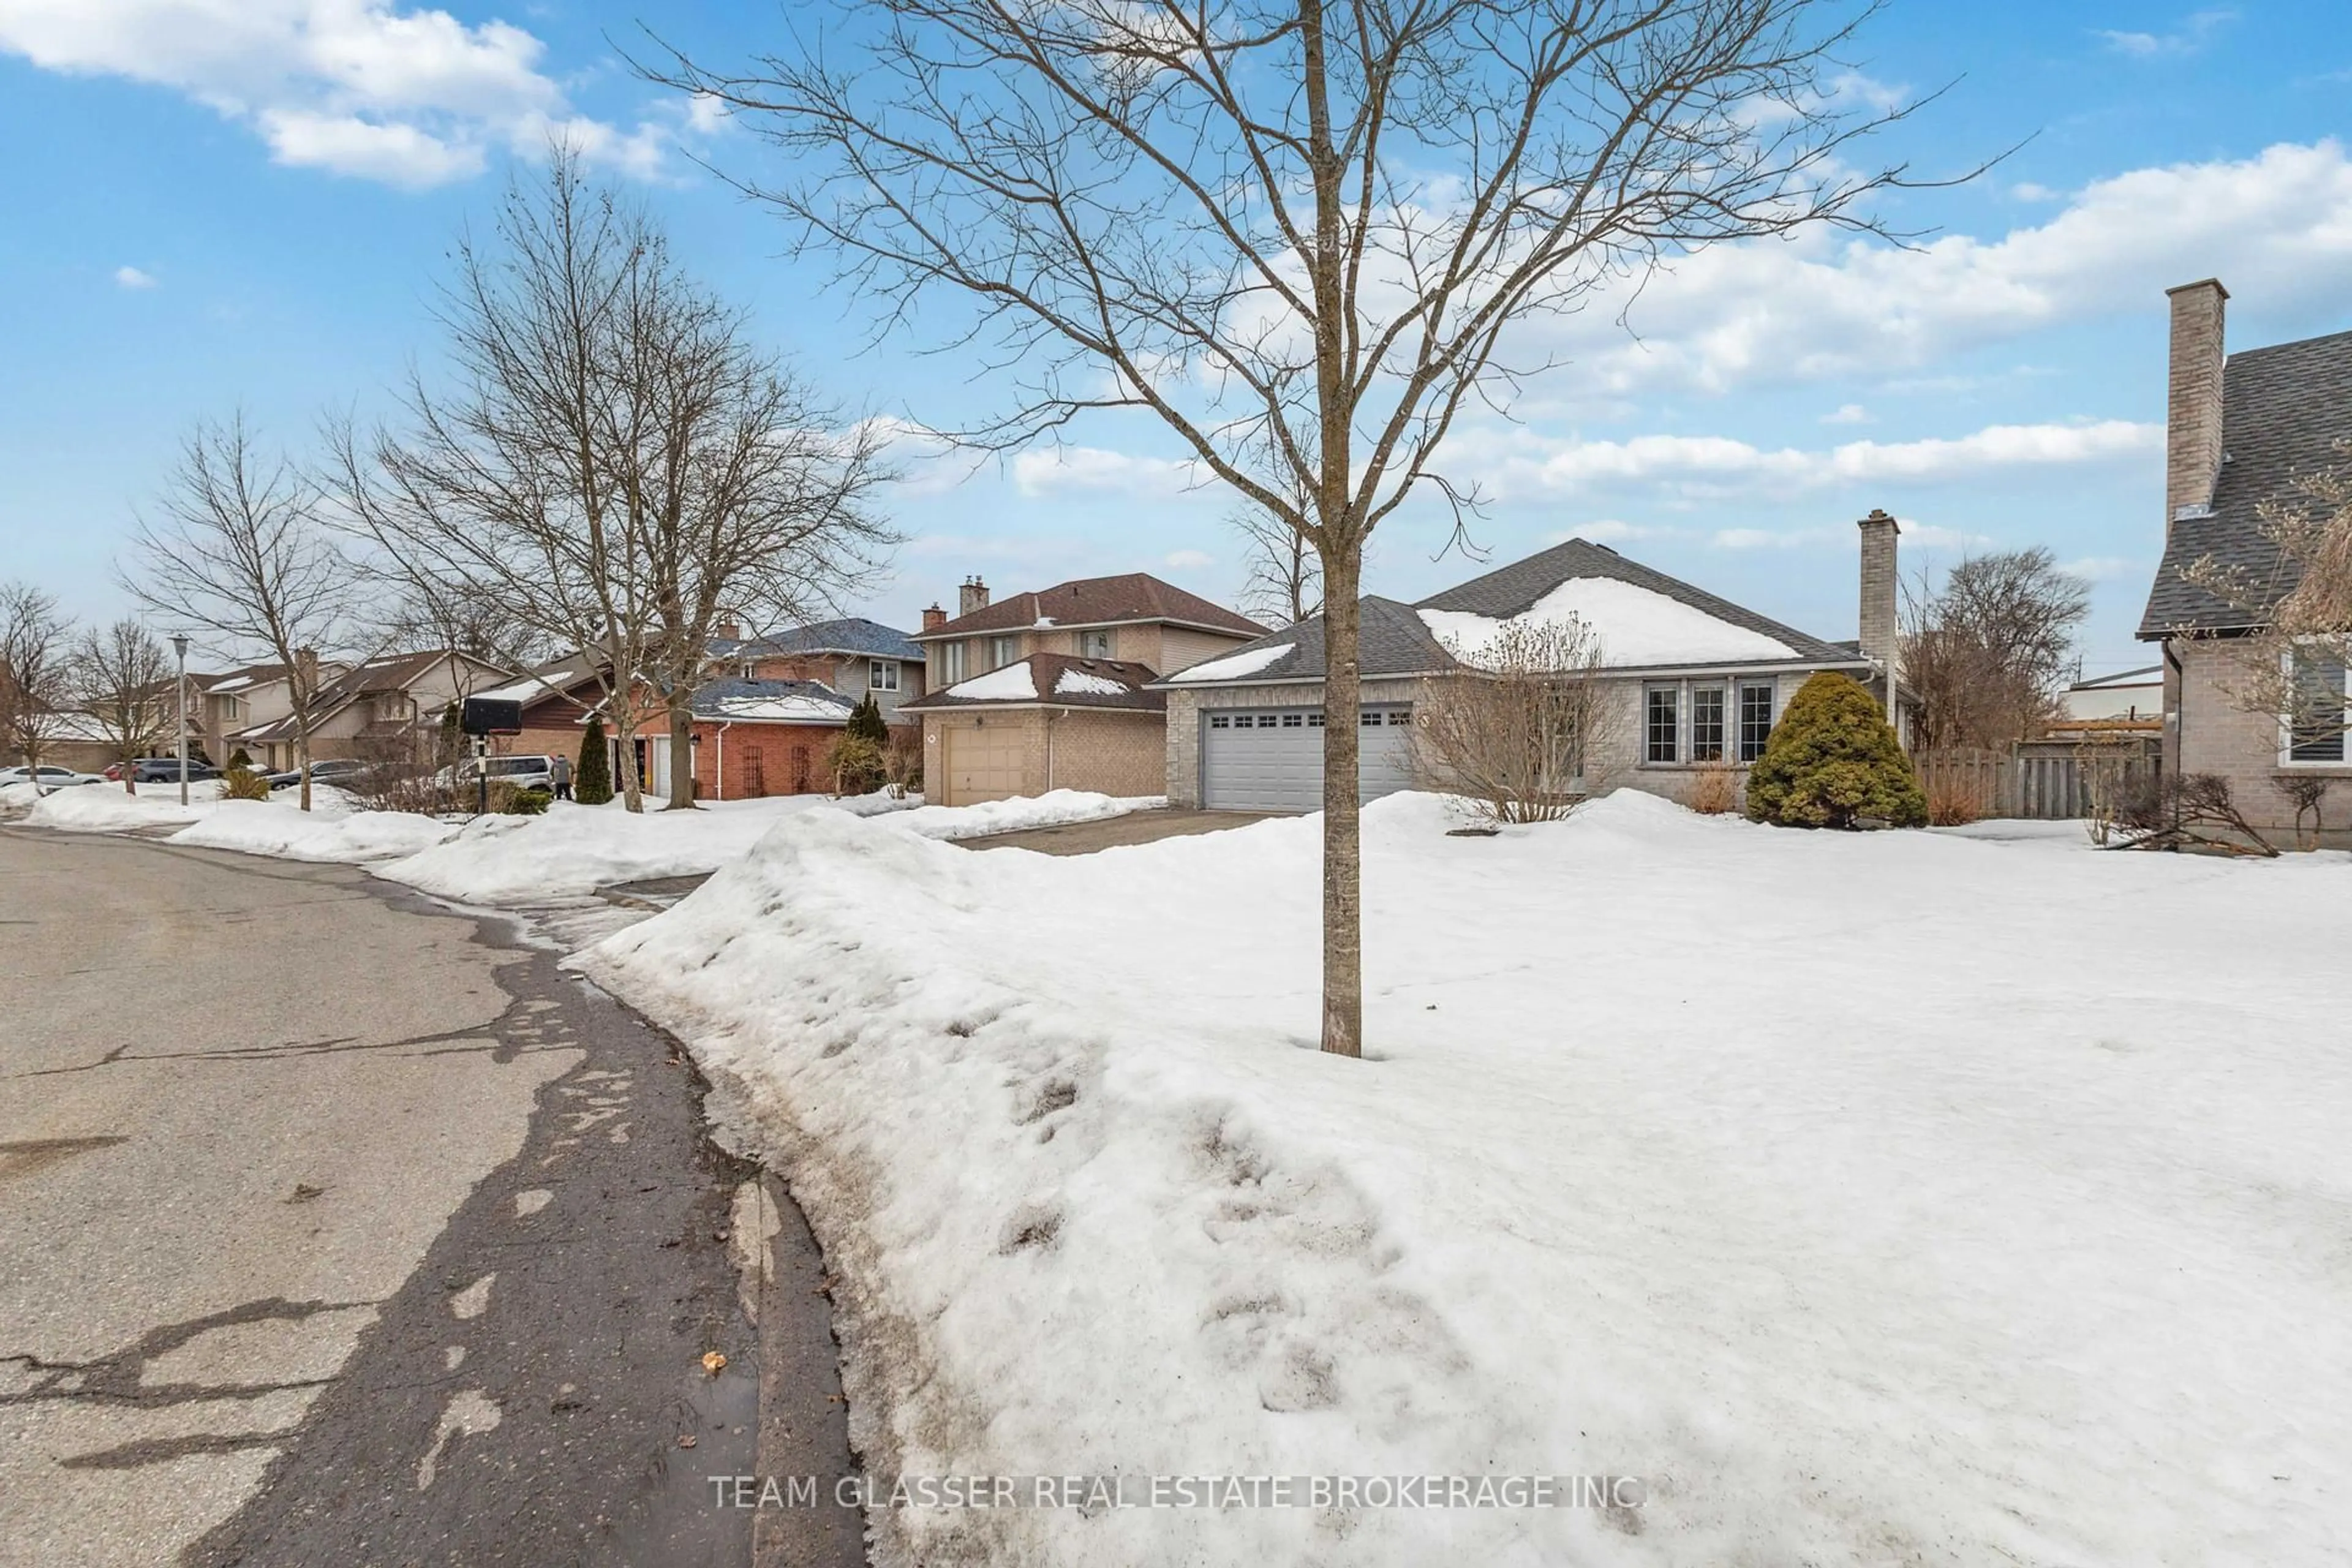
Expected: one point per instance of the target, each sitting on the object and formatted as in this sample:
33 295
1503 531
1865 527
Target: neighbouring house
753 738
1694 682
224 708
2131 701
853 656
2239 429
1052 689
387 707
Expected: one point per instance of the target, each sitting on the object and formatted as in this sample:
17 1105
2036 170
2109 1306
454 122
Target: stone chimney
2193 409
972 596
934 618
1880 626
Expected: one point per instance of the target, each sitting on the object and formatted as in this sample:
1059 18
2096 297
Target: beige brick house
1694 682
1051 690
2239 428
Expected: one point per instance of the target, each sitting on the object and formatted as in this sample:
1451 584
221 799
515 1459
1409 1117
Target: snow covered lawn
1880 1198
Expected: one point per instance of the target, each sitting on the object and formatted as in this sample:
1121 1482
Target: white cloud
1847 414
1927 535
1517 463
131 278
2029 191
1607 531
1051 470
373 89
2276 226
2104 568
1189 559
2187 39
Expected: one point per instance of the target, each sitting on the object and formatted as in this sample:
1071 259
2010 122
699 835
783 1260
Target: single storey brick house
2239 430
1052 689
1696 680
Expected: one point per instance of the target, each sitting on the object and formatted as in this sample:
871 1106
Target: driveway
1135 827
335 1227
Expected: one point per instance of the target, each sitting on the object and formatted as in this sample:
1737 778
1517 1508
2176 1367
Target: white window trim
882 675
2287 760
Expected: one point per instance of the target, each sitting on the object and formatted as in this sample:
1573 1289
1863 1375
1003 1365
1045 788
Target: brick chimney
2193 409
730 631
972 596
934 618
1880 625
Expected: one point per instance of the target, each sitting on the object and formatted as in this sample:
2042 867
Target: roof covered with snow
1644 619
771 702
1052 680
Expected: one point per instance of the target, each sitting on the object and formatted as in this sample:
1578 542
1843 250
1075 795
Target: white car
526 771
51 778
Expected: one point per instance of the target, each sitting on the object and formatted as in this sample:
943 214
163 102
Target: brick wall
759 760
2215 735
1117 753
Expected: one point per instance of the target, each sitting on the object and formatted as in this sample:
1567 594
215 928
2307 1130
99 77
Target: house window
1755 720
1707 725
884 676
1003 651
1662 738
2323 709
950 663
1095 643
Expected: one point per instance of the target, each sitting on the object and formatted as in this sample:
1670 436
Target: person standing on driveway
560 775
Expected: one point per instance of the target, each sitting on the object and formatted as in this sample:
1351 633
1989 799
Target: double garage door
1271 759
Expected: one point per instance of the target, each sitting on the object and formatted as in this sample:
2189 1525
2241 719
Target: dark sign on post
490 716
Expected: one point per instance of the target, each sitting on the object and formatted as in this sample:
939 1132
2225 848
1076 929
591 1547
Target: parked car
164 770
523 771
47 777
333 770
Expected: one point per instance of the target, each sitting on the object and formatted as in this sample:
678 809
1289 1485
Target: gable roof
393 672
851 635
1097 601
1055 680
1512 590
1394 639
2283 408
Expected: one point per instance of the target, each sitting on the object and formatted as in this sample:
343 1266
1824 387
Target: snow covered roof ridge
1515 589
1055 679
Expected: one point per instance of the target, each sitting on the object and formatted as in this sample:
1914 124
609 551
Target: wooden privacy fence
2051 781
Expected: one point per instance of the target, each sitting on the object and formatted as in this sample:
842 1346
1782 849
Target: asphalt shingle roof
1099 601
1046 671
1511 590
2283 408
853 634
1395 641
808 699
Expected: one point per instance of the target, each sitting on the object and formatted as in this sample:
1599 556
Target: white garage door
1271 759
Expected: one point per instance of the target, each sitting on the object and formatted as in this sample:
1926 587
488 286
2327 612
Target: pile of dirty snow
1887 1198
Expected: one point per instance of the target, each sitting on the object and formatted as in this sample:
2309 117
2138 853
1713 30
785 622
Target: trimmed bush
592 780
857 764
243 783
1831 760
507 800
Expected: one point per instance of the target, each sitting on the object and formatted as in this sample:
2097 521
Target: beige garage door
983 763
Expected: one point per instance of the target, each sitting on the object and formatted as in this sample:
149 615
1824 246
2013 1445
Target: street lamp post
180 649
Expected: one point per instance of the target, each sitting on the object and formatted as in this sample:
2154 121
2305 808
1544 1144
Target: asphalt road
337 1228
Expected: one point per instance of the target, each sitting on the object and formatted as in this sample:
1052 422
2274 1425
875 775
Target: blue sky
216 202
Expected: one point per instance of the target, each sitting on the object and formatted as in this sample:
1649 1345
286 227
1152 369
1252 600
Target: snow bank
1823 1182
280 828
1634 624
1055 808
105 808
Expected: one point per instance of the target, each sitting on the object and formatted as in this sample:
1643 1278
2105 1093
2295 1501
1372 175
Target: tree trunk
625 739
1343 940
681 754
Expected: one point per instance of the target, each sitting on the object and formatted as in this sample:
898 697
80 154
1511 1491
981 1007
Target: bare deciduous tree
36 669
242 549
617 465
1284 581
123 681
2292 664
1527 731
1988 651
1296 233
